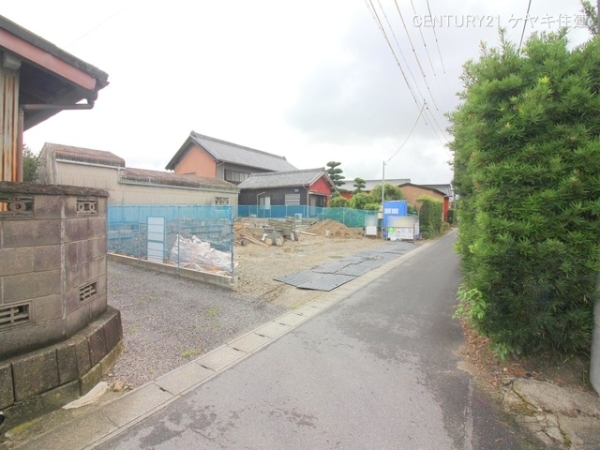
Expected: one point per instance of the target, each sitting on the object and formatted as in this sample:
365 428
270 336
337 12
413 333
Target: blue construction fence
354 218
201 237
194 237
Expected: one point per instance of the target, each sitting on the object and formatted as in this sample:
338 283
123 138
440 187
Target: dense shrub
527 169
391 192
338 202
430 216
360 200
451 219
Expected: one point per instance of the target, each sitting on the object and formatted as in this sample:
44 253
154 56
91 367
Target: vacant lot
327 241
168 321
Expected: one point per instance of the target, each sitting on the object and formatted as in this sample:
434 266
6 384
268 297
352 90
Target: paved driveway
375 371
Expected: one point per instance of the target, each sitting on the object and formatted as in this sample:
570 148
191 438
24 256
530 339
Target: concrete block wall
58 336
44 380
52 264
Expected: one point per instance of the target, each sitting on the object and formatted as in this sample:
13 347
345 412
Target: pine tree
359 185
335 173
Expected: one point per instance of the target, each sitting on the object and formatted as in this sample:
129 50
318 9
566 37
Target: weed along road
375 370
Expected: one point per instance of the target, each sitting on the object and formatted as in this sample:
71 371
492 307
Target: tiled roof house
311 187
214 158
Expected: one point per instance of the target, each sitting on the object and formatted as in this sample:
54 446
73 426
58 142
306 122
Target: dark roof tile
233 154
85 155
174 179
284 179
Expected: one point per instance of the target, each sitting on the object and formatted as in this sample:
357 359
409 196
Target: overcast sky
312 80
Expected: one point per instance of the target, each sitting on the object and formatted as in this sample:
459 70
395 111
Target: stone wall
56 328
46 379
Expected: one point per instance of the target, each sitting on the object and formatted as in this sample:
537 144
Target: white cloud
312 80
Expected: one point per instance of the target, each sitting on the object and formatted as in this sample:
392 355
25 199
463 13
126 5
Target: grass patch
149 299
212 311
191 352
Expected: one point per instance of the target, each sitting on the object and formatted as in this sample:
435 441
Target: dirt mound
332 228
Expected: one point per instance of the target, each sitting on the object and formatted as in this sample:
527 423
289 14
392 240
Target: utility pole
383 182
383 197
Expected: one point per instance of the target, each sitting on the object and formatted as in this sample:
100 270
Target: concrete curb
119 414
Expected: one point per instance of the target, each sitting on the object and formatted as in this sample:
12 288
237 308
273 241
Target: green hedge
451 216
527 170
430 216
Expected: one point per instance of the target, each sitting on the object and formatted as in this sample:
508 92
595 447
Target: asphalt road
375 371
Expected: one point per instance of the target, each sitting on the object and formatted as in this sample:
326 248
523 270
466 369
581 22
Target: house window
292 199
235 176
222 201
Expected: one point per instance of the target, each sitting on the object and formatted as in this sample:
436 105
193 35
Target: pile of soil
334 229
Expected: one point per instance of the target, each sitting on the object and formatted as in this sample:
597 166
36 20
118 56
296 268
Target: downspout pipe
21 126
43 107
257 204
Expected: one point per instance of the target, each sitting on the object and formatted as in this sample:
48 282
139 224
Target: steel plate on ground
331 267
368 253
327 283
351 260
298 278
386 257
361 268
355 270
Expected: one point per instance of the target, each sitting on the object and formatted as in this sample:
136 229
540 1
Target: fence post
232 237
139 255
178 241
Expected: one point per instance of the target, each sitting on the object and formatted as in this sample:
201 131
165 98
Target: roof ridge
78 147
83 154
195 134
283 172
173 174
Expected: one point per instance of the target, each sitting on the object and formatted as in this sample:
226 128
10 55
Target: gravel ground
168 321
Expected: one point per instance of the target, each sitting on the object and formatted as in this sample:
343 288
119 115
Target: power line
443 144
410 40
409 134
400 49
524 24
415 54
376 16
438 49
437 124
436 40
437 80
423 39
424 108
112 16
